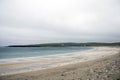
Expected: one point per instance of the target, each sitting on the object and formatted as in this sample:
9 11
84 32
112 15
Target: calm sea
19 52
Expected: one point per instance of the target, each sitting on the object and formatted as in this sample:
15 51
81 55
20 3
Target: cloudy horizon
46 21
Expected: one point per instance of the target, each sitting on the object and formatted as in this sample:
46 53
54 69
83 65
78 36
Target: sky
51 21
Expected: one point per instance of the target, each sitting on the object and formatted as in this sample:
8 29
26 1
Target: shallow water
47 57
21 52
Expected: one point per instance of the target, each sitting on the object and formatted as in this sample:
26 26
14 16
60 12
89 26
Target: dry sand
100 64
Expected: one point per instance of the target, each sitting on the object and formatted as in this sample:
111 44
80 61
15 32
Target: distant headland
68 44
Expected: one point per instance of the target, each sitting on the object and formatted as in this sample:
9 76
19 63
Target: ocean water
46 57
22 52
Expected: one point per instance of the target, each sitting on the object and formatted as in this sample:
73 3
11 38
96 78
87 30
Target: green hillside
67 44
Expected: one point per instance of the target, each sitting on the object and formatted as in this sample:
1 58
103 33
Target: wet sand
100 64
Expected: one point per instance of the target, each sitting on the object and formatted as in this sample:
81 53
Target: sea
19 53
47 57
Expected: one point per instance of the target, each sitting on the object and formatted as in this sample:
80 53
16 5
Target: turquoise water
12 55
19 52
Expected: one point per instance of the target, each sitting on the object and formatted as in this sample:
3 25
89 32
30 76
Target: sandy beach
101 63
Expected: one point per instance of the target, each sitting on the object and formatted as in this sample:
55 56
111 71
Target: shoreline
36 58
76 58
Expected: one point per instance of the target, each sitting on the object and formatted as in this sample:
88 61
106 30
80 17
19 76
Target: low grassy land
67 44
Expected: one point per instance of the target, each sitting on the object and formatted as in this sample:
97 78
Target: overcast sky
45 21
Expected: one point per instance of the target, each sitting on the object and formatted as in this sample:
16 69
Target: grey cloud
40 21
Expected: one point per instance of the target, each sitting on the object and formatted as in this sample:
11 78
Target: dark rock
62 74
